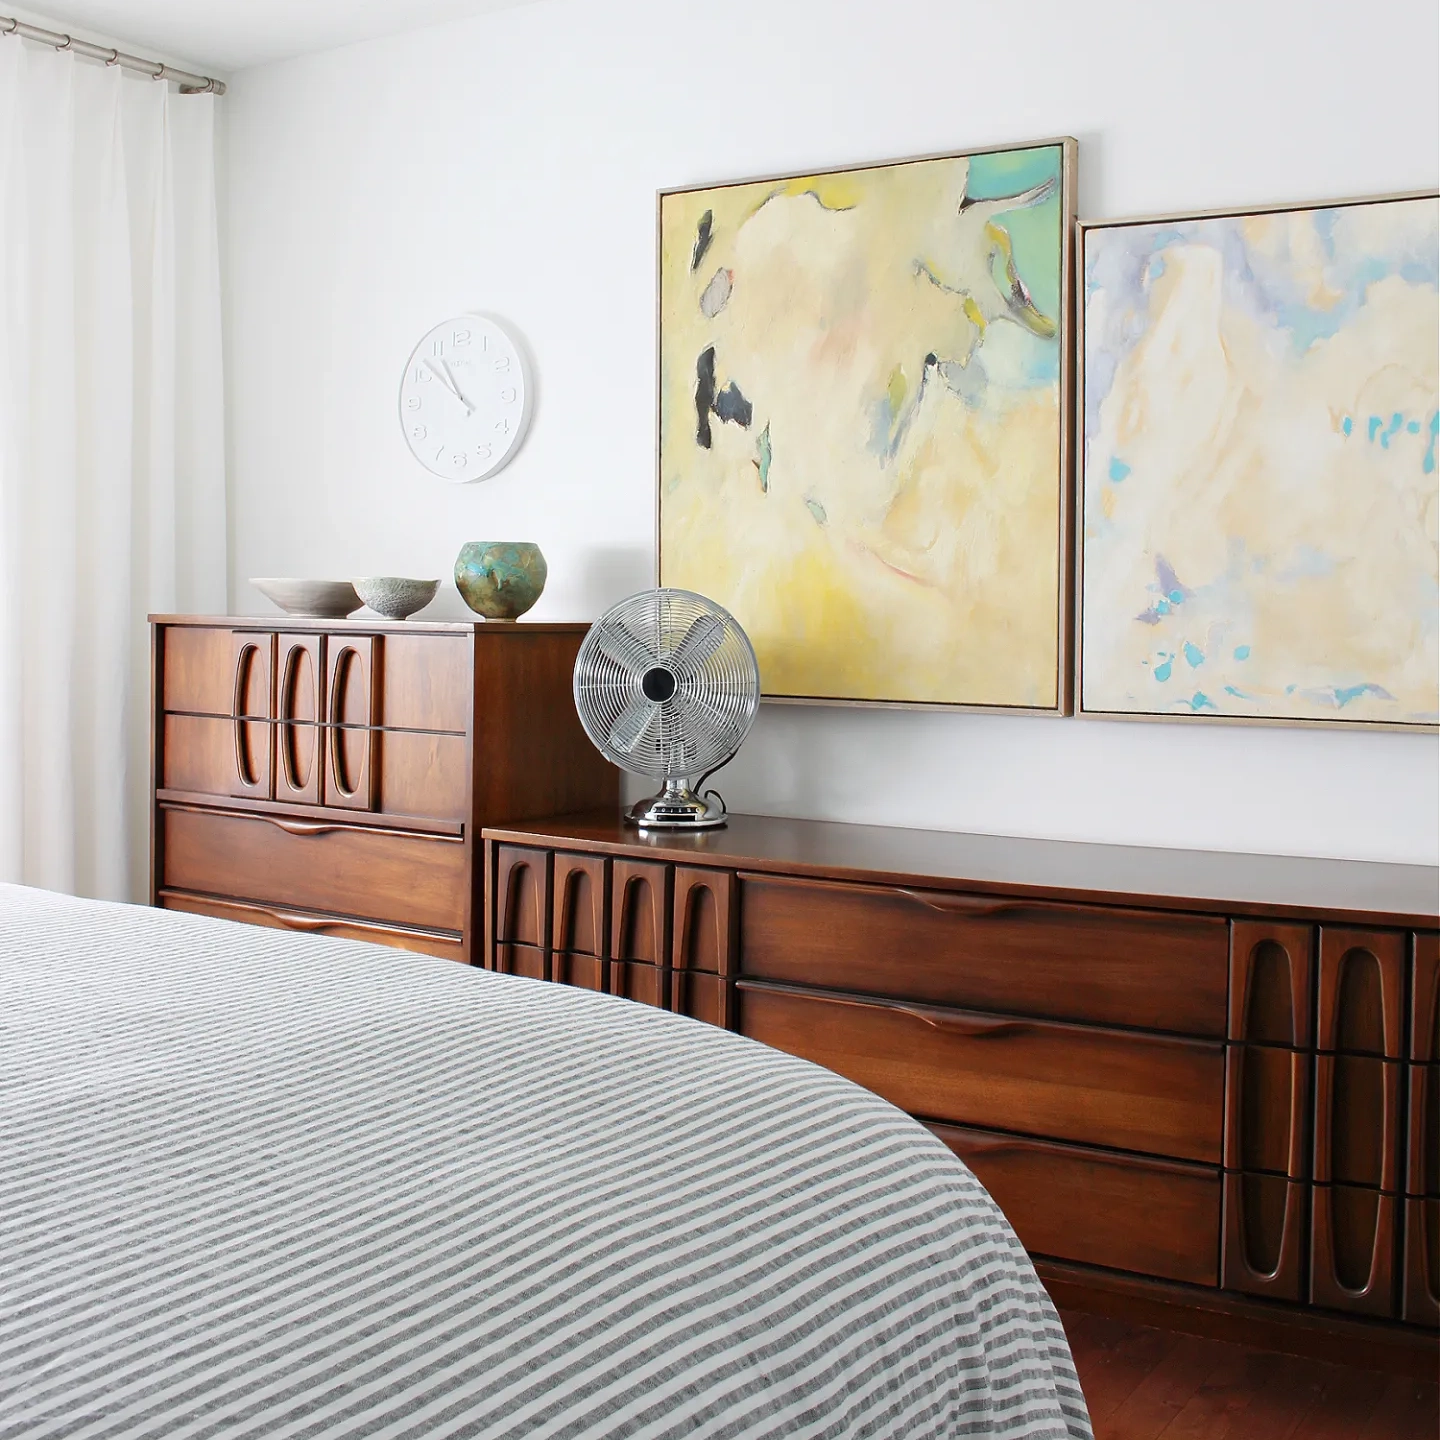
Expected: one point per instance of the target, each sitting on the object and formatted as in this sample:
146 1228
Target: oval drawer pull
959 904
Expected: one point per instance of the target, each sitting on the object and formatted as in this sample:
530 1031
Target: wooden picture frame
809 662
1281 235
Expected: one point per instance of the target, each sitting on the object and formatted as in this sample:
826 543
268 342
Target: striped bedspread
259 1185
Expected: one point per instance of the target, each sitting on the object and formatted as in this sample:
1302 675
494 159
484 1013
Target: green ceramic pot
500 579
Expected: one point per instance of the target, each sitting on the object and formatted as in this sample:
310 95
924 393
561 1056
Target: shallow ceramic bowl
395 597
311 599
500 579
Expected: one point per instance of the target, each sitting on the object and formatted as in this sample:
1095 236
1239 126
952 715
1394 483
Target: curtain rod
188 81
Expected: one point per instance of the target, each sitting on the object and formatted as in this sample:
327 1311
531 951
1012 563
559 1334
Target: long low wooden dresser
1205 1079
332 776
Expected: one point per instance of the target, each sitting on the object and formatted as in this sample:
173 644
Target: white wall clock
465 398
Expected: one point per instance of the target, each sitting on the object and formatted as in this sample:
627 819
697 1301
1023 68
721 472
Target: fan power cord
706 794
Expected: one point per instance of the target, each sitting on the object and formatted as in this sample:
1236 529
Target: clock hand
454 385
444 378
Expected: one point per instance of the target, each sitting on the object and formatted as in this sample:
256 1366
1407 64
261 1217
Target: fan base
676 807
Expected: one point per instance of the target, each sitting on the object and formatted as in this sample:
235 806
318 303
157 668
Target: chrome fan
667 686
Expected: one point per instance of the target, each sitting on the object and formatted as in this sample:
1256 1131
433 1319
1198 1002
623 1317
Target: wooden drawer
520 895
583 971
1353 1243
202 754
702 932
424 942
1069 962
582 904
425 682
526 960
198 669
340 868
1264 1241
645 983
640 911
1154 1217
1062 1082
1357 1121
1361 992
422 775
701 996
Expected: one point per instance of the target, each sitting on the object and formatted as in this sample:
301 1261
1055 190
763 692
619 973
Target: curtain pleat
112 499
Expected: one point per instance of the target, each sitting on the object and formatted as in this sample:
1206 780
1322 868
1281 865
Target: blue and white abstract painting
1259 491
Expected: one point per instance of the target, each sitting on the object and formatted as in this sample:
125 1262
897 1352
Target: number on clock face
465 398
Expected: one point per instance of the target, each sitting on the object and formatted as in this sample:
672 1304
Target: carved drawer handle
973 1027
997 1146
959 904
291 921
303 827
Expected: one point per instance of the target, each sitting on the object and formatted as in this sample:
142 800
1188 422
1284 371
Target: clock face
465 399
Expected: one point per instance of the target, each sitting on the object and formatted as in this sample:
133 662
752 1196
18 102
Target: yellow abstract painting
1260 491
863 380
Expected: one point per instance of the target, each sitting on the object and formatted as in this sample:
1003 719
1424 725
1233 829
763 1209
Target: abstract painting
864 379
1259 493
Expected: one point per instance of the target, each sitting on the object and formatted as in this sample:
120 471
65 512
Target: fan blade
699 642
632 725
623 648
707 721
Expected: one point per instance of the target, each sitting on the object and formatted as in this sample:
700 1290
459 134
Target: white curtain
112 490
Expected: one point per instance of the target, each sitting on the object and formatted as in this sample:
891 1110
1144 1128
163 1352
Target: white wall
509 163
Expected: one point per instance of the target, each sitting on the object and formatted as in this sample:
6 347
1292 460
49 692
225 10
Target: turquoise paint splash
762 461
1428 465
1201 701
1238 694
1242 652
1413 427
1194 655
817 510
1347 425
1375 422
1036 234
1396 421
1162 672
1118 470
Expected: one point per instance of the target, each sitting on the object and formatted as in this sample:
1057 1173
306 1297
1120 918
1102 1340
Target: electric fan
666 685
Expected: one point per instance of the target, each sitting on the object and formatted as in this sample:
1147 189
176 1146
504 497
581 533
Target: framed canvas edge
1081 710
1066 688
1226 212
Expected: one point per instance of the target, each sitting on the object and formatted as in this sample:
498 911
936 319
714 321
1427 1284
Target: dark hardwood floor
1142 1384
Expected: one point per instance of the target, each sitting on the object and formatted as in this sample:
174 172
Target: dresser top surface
374 625
1357 891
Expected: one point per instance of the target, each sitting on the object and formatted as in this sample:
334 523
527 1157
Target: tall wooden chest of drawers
333 776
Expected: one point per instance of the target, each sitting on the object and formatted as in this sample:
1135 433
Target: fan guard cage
666 684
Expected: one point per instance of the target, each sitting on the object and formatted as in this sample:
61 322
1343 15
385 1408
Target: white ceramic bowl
311 599
395 597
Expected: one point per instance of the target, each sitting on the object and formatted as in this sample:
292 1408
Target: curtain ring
12 26
64 43
114 57
159 74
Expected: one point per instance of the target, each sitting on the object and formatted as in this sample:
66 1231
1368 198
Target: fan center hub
658 684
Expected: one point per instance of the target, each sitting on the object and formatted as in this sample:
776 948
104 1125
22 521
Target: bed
254 1184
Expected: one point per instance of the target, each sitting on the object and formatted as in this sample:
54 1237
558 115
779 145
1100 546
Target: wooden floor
1142 1384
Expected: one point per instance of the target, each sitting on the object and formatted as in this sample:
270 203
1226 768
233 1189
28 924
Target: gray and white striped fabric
254 1184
